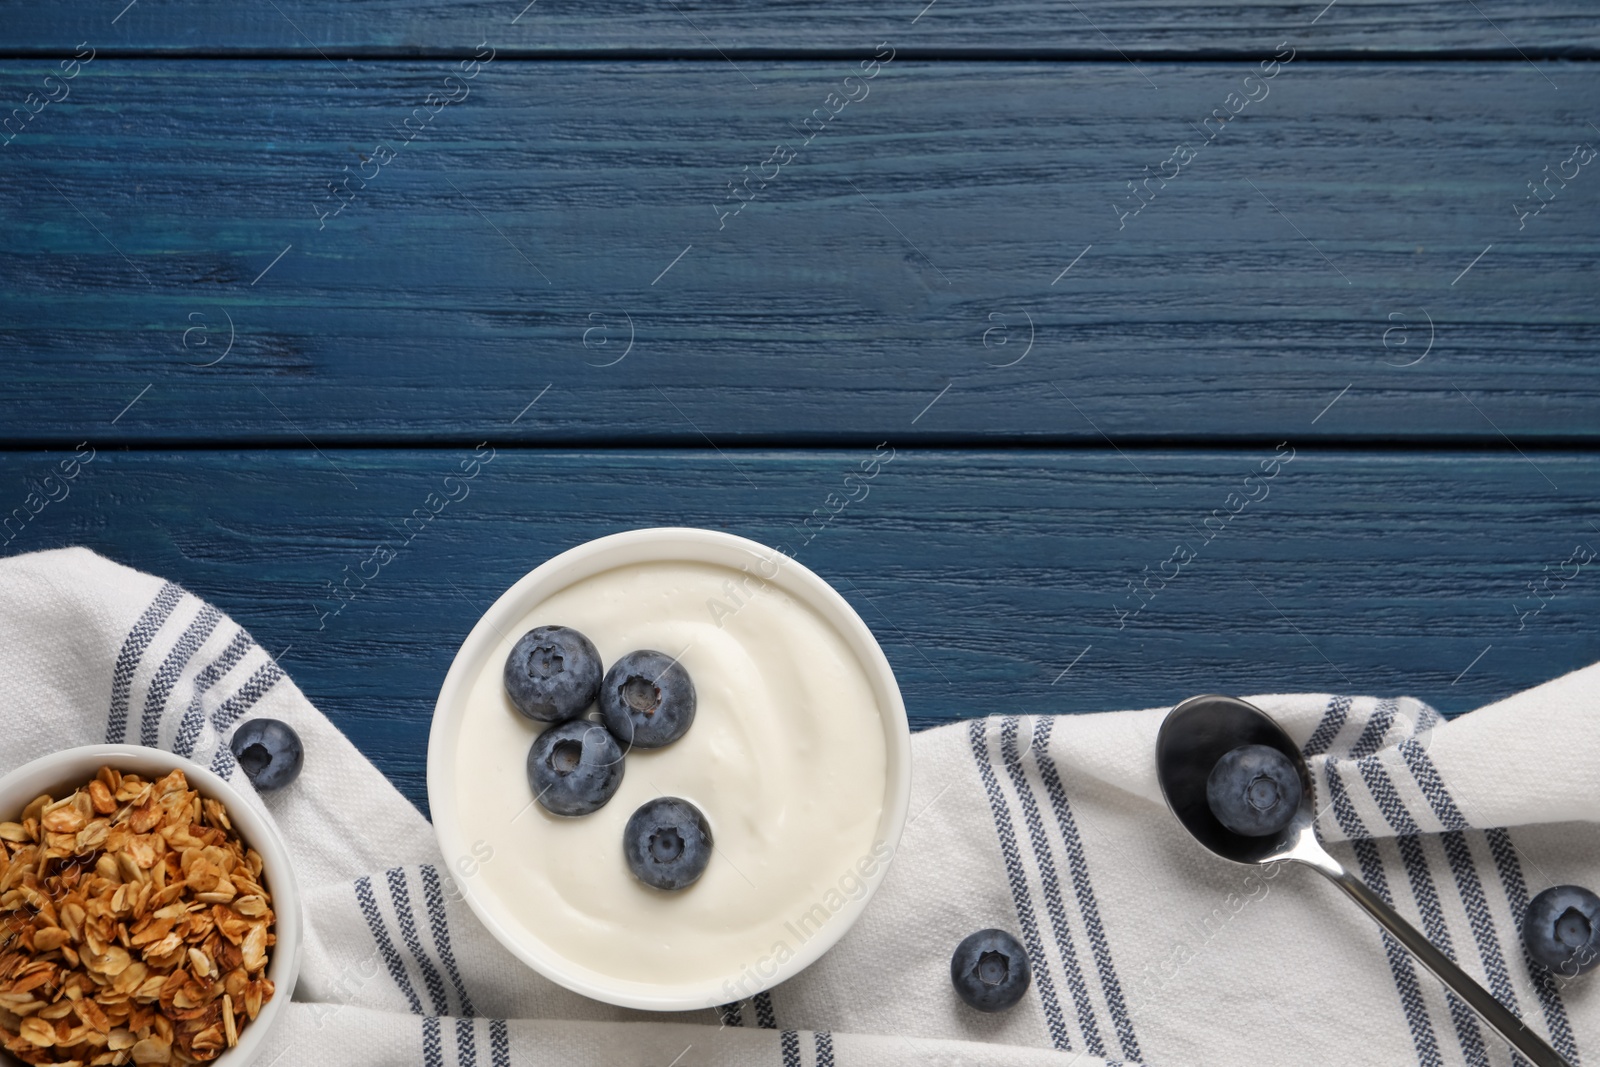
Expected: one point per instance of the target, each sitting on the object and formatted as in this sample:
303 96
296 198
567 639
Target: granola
133 926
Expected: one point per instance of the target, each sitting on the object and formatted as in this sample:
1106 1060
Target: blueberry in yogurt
269 752
1562 929
1254 790
667 843
574 767
647 699
990 970
553 673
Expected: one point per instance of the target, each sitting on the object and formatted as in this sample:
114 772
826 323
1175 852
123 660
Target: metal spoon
1201 731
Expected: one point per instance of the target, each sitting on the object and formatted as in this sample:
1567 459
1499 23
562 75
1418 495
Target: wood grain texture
992 579
559 210
1108 28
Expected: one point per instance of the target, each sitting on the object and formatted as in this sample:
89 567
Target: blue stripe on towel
433 891
133 647
824 1048
1405 975
195 717
1050 887
166 677
1328 729
1510 871
1088 906
1020 896
401 895
1505 860
1465 870
1408 840
466 1043
432 1053
499 1044
790 1040
766 1018
1373 733
380 936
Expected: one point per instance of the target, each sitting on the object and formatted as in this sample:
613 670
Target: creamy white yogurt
786 758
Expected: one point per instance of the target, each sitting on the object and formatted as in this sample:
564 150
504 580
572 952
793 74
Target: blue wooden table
1218 346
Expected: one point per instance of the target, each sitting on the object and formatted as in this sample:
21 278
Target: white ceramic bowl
63 772
668 544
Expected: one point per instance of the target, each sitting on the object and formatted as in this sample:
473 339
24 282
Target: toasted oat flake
134 928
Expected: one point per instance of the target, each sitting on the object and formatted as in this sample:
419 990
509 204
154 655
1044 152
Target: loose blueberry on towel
553 673
667 843
574 767
269 752
990 970
1562 929
647 699
1254 790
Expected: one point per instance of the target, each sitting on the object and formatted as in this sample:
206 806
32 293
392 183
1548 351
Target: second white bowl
484 650
61 773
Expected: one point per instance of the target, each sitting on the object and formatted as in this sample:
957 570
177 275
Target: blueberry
1562 929
1254 790
269 752
574 767
667 843
553 673
647 699
990 970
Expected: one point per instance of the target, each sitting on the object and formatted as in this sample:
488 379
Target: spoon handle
1493 1012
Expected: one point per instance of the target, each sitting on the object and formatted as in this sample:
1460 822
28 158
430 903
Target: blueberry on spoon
1254 790
552 673
647 699
574 768
990 970
667 843
1562 929
269 752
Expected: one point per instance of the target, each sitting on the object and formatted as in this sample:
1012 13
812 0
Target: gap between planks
1579 53
1487 446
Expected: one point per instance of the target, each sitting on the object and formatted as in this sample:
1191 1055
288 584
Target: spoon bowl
1200 731
1194 736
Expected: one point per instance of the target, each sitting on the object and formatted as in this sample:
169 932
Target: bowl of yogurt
798 757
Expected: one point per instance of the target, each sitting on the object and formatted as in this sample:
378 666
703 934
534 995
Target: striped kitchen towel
1146 949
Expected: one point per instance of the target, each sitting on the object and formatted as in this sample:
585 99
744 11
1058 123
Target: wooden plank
910 252
994 580
1108 28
